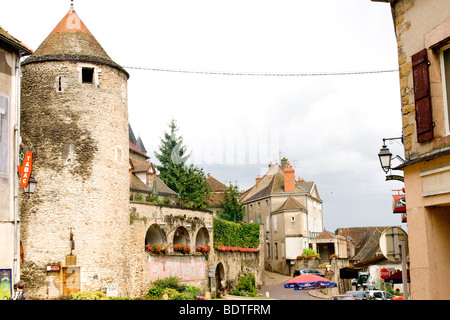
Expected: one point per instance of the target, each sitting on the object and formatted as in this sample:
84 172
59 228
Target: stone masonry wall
78 134
145 268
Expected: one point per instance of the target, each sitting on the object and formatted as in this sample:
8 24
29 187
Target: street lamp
385 155
31 187
385 158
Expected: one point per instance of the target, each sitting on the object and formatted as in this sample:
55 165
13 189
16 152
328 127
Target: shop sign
25 169
399 203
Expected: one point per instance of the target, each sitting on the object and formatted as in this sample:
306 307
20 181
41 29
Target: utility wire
294 74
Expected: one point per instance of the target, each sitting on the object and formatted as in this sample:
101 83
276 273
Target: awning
351 272
397 277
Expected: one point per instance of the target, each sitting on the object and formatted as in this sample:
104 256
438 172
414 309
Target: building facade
11 51
422 29
290 211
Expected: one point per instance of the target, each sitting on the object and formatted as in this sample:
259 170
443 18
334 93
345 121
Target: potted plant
181 248
156 248
203 249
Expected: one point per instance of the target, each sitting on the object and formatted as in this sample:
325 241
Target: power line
263 74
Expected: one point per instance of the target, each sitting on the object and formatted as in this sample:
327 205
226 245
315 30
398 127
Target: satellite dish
389 243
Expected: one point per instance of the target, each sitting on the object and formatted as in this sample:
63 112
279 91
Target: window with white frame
445 74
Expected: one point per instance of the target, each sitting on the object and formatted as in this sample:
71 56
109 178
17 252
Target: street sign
390 240
384 273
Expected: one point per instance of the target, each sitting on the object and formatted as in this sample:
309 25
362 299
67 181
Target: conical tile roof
71 40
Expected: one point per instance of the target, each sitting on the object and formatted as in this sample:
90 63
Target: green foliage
174 290
155 293
170 282
172 156
193 188
171 293
233 210
188 181
308 254
227 233
88 295
246 285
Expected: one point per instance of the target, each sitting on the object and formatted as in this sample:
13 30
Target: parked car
358 295
377 295
298 272
342 297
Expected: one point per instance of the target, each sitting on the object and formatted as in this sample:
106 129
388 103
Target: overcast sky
235 123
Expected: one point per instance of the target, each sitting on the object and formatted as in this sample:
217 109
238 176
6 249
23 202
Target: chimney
258 179
289 178
284 162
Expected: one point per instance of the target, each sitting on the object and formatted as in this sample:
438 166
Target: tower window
87 75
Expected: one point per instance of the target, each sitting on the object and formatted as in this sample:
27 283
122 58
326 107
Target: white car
377 295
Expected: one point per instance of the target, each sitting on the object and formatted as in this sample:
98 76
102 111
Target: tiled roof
325 234
215 184
291 204
273 183
71 40
365 239
18 45
142 166
218 189
133 148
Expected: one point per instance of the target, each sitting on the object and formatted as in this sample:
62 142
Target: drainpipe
271 232
16 164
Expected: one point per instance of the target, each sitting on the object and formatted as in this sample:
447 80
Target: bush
154 293
184 296
88 295
174 290
171 293
170 282
246 285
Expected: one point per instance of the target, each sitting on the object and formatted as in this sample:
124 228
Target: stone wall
193 268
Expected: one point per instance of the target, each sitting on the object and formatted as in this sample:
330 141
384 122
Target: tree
188 181
194 188
233 210
172 157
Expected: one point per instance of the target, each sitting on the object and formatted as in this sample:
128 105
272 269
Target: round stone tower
74 119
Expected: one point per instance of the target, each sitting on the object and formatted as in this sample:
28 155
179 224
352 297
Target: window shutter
422 96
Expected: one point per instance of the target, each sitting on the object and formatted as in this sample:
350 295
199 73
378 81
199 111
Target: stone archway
181 236
220 281
155 235
202 237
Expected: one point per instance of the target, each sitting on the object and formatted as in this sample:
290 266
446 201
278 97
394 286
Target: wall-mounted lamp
188 227
162 225
210 228
31 187
385 155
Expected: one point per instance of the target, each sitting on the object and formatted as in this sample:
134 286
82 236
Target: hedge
227 233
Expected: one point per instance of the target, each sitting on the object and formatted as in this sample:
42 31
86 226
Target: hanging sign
399 203
394 177
25 169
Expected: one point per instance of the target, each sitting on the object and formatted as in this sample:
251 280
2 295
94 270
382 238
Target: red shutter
422 96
